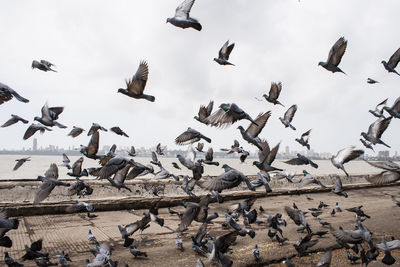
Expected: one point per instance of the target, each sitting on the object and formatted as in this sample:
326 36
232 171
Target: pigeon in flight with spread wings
345 155
390 174
223 54
14 119
254 129
33 128
394 110
301 160
190 136
303 140
43 65
393 61
50 115
376 130
91 150
75 131
274 92
288 117
20 162
204 112
371 81
136 85
7 93
335 56
378 111
49 182
182 18
226 115
266 156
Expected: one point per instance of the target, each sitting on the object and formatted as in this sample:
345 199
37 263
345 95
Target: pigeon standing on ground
303 140
223 54
204 112
75 131
136 85
190 136
376 130
43 65
274 93
335 56
182 18
256 253
14 119
393 61
20 162
345 155
288 117
7 93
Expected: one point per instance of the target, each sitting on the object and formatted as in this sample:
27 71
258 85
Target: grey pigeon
256 253
285 175
81 206
386 247
132 152
376 130
7 93
338 190
113 166
190 136
66 161
371 81
164 174
75 131
136 85
393 61
204 112
274 93
266 156
91 238
80 188
209 157
95 127
49 182
200 147
139 170
137 253
14 119
367 144
262 180
188 186
326 259
227 180
33 128
119 178
77 169
63 259
249 138
335 56
221 246
303 140
20 162
301 160
390 174
182 18
297 216
154 159
118 131
195 211
160 149
288 117
10 262
394 110
179 243
378 111
43 65
50 115
223 54
91 150
345 155
226 115
309 179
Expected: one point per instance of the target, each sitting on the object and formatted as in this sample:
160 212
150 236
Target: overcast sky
97 44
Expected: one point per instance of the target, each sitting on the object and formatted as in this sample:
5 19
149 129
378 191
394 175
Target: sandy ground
69 232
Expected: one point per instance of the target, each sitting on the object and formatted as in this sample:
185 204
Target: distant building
34 147
384 154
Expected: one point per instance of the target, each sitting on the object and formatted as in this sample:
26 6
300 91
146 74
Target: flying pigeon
118 131
204 112
274 93
136 85
50 115
14 119
338 188
223 54
190 136
345 155
335 56
393 61
390 174
288 117
309 179
20 162
91 150
378 112
226 115
7 93
160 149
227 180
301 160
376 130
95 127
394 110
303 140
182 18
42 65
371 81
33 128
266 156
75 131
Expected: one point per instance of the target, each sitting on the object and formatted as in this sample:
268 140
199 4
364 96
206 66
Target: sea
38 165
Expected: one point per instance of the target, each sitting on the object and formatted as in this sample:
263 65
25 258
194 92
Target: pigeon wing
337 51
289 114
275 90
255 129
183 10
138 82
394 59
43 191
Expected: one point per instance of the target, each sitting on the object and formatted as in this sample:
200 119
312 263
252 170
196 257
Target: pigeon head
321 63
305 172
240 128
122 91
224 106
37 118
168 20
265 95
383 62
256 163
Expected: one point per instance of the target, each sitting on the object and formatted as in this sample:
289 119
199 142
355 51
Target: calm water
39 164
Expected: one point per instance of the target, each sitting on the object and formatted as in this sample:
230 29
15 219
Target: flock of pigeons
117 168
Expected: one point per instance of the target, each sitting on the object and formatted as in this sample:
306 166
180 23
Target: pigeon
345 155
10 262
326 259
249 138
14 119
386 247
358 211
209 157
204 112
297 216
195 211
80 188
390 174
303 140
188 186
190 136
337 207
376 130
139 170
371 81
323 222
352 258
285 175
256 253
154 159
378 112
49 182
393 61
91 150
43 65
309 179
66 161
113 166
7 93
288 117
394 110
160 149
50 115
301 160
164 174
63 259
95 127
367 144
120 176
226 115
303 244
91 238
33 251
33 128
132 152
335 56
77 169
227 180
200 147
234 148
80 206
338 188
6 225
75 131
176 166
179 243
118 131
262 180
223 54
274 93
130 229
182 18
136 85
266 156
20 162
221 246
